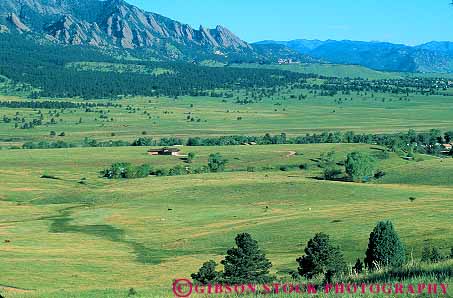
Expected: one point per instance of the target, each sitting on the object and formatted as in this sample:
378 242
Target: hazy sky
401 21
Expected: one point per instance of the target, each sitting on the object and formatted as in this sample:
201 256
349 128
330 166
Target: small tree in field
321 257
360 166
216 163
384 247
190 157
436 255
246 263
207 274
426 254
451 253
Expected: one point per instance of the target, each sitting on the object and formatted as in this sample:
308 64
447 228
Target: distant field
144 233
377 113
332 70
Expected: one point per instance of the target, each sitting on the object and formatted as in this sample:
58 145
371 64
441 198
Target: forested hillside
50 69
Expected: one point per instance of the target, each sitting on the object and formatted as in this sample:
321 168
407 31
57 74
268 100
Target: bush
126 170
385 248
216 163
305 166
360 166
332 173
177 171
207 274
431 255
379 174
190 157
321 257
284 168
251 169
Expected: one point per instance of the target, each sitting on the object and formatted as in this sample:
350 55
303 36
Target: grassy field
213 117
332 70
100 238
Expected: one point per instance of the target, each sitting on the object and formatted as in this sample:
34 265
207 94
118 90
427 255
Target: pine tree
246 263
426 254
321 257
436 255
451 253
207 274
384 247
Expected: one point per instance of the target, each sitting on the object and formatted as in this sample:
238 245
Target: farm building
165 151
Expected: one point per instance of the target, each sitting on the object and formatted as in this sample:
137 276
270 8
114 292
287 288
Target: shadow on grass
62 224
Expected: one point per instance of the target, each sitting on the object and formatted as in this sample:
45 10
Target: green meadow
163 117
63 238
65 232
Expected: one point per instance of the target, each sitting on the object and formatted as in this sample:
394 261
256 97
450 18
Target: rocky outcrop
67 30
4 29
117 24
17 23
112 22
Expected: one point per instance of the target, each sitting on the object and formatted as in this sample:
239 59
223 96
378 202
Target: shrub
436 255
132 292
216 163
305 166
332 172
177 171
360 166
190 157
124 170
379 174
207 274
161 172
321 257
384 247
284 168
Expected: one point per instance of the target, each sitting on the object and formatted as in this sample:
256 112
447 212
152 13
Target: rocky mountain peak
117 24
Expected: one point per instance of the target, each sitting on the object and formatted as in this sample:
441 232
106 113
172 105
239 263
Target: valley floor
79 233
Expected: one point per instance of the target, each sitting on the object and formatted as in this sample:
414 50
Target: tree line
45 67
247 263
404 143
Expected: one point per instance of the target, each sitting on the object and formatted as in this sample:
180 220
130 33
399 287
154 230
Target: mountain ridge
118 24
433 56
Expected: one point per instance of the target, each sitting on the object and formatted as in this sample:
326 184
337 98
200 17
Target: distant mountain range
430 57
117 24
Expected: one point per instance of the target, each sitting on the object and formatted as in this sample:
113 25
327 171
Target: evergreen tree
246 263
384 247
451 253
207 274
321 257
436 255
426 254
